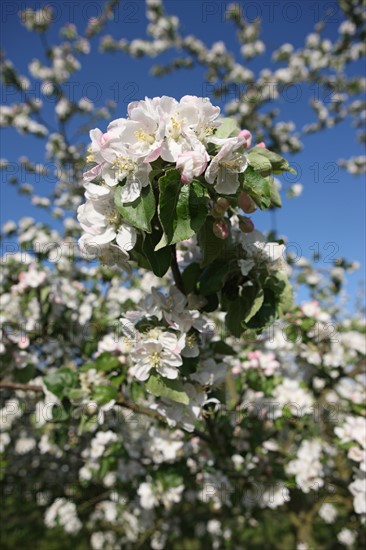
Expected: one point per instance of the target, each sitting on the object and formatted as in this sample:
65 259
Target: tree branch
121 401
23 387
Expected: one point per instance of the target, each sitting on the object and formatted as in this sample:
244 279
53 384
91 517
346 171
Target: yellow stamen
155 359
143 136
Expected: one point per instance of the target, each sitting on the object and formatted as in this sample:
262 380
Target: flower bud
220 229
247 137
223 203
220 207
261 144
246 203
246 225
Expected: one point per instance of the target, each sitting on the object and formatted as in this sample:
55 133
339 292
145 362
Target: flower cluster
160 129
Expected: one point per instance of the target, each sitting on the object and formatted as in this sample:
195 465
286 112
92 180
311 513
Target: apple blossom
192 164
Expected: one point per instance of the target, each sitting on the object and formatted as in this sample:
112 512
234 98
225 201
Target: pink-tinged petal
93 172
153 155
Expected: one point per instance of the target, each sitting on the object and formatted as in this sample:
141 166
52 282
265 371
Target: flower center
90 157
143 136
124 164
155 359
233 165
191 340
174 130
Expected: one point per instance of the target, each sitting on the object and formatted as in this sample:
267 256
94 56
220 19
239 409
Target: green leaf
285 300
61 381
182 208
163 387
139 212
222 348
107 362
243 309
212 247
275 196
212 277
257 187
267 314
212 303
158 260
278 163
190 277
228 128
77 394
259 162
235 314
255 306
104 394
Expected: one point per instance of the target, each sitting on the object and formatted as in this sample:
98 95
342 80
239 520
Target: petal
227 183
141 371
126 238
167 371
168 341
131 190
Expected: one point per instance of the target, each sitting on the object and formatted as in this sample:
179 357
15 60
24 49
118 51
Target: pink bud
220 229
246 225
246 203
247 137
261 144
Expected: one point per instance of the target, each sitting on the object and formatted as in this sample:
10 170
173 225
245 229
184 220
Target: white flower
31 278
275 497
143 131
353 429
291 397
24 444
346 537
161 353
255 244
307 467
328 512
98 218
148 500
358 490
227 164
192 164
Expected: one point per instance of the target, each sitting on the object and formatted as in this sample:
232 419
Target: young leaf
61 381
257 187
163 387
212 277
259 162
139 212
159 260
107 362
279 164
104 394
182 208
228 128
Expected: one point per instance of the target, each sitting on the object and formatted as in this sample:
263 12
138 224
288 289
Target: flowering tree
171 394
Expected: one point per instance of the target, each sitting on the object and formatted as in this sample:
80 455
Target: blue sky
330 211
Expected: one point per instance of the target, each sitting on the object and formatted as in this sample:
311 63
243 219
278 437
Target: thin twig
18 386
